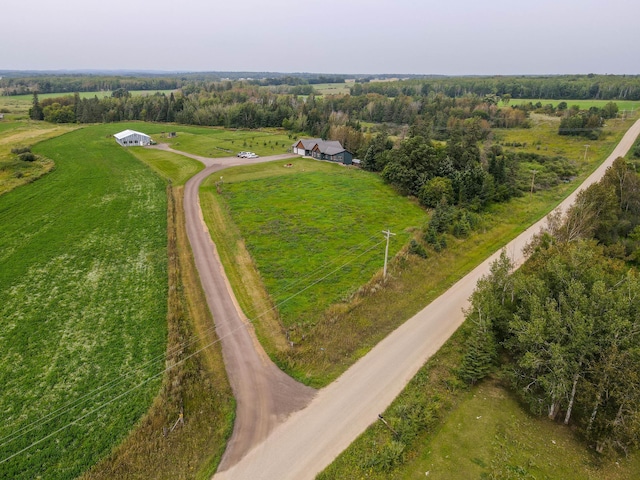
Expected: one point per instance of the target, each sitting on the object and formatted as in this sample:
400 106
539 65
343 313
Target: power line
173 350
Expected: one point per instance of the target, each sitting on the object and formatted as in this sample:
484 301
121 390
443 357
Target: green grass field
628 105
218 142
333 88
83 305
175 168
316 226
13 171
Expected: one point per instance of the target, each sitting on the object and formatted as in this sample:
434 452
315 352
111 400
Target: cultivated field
83 305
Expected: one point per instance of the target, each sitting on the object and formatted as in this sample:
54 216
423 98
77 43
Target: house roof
307 143
333 150
329 147
126 133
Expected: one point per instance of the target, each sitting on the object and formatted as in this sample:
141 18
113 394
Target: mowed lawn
219 142
314 230
83 301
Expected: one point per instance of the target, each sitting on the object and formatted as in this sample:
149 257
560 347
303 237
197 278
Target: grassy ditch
83 306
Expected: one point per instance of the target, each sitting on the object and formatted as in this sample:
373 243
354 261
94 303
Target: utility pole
586 147
386 254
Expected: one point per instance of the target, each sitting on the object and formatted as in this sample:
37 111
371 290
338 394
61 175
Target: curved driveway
310 439
264 395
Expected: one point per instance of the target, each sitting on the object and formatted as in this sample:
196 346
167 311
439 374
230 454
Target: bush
417 249
19 150
27 157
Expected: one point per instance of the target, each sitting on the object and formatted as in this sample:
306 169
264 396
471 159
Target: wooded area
565 327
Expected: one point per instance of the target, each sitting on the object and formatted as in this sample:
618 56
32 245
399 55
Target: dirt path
265 396
311 438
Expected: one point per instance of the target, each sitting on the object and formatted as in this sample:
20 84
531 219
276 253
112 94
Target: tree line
559 87
84 83
565 328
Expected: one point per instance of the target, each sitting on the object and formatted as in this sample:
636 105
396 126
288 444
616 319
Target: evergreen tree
36 112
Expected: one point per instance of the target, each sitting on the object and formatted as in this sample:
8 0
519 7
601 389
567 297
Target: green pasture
83 304
175 168
628 105
218 142
332 88
22 103
315 227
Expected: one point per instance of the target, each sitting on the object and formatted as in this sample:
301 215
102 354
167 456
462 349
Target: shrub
27 157
417 249
19 150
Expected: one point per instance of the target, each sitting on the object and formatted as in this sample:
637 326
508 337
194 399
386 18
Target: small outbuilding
131 138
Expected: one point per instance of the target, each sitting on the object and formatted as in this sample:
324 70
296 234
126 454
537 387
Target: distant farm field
22 103
628 105
333 88
83 304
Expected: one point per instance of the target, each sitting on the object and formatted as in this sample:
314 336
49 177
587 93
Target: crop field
22 103
83 305
217 142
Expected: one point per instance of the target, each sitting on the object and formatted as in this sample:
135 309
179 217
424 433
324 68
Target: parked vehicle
242 154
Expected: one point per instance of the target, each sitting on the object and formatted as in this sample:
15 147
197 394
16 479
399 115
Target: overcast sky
455 37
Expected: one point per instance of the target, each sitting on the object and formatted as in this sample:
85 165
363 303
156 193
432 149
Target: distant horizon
127 71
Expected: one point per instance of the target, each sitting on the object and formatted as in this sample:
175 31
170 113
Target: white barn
130 138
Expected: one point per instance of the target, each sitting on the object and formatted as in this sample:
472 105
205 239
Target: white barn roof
127 133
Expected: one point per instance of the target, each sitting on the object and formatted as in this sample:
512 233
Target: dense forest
565 328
